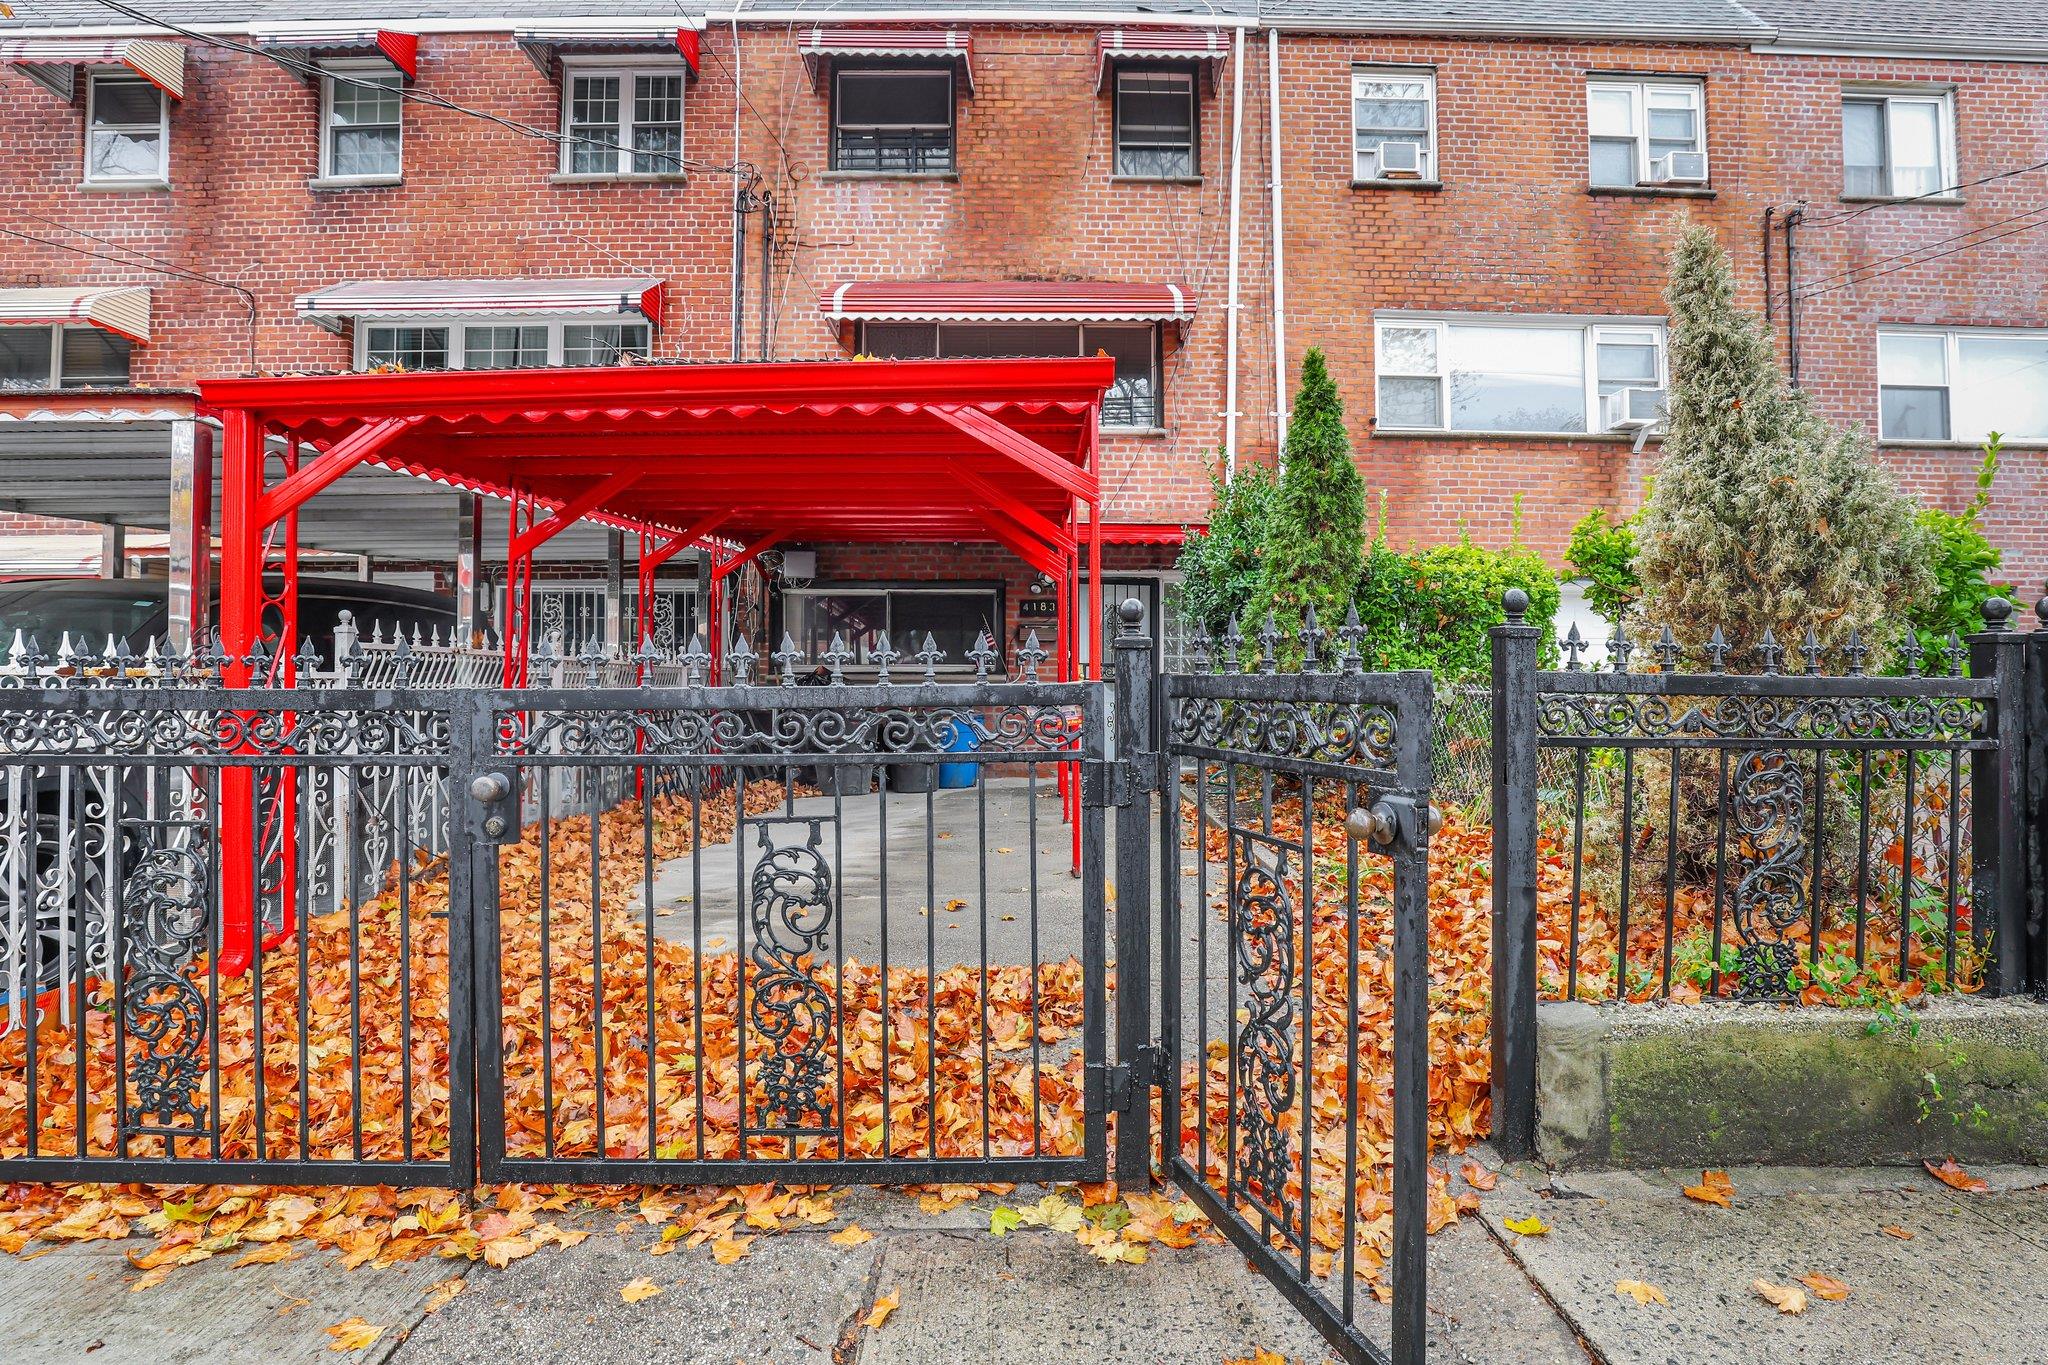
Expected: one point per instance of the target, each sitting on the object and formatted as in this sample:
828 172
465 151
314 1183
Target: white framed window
622 122
1510 374
127 130
1390 105
62 357
498 343
1155 125
361 122
1645 132
1897 145
954 614
1962 384
1135 402
892 120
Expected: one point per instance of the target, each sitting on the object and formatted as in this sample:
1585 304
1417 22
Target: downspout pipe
1236 217
1279 248
1792 220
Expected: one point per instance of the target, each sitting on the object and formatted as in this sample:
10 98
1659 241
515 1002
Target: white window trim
349 69
1432 170
1081 328
1593 329
622 162
93 77
1952 353
864 67
1944 100
457 323
1695 92
56 333
1188 81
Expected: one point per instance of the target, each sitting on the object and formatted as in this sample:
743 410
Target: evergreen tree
1764 513
1317 541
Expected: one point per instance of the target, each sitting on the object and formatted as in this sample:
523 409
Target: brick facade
1513 228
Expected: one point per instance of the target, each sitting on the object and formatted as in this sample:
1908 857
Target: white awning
299 46
54 62
121 310
544 46
820 46
330 307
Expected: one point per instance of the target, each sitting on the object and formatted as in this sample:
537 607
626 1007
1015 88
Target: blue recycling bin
965 738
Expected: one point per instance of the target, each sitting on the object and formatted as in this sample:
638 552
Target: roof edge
1826 43
1646 33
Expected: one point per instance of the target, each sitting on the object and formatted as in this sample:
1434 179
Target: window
1398 108
955 615
1482 373
127 131
1897 146
892 120
1636 128
62 358
498 344
361 123
1962 385
622 123
1155 124
1133 401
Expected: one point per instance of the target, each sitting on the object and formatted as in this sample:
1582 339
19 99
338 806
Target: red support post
241 612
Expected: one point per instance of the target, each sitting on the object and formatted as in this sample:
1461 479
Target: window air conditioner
1400 160
1679 168
1632 409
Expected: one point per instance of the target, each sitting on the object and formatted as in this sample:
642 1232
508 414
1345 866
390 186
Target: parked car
55 863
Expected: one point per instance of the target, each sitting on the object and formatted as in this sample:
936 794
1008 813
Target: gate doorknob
490 787
1376 825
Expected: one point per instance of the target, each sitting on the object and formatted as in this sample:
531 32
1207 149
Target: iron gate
1294 950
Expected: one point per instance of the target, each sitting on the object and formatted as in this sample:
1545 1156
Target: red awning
1208 46
820 45
459 298
1006 301
298 46
544 45
54 62
1144 532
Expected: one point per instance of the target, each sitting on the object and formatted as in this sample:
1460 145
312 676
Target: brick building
1468 209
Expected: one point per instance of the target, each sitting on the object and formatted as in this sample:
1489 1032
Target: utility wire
1926 260
1945 192
176 272
1925 246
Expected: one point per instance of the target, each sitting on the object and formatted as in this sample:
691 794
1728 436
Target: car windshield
45 614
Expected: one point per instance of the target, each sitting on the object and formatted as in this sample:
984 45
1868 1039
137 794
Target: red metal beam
570 513
338 459
675 545
726 568
1008 441
1015 508
1037 554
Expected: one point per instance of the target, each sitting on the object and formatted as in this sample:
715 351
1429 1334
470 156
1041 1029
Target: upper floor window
1897 146
1646 132
360 122
127 138
1155 125
1490 373
62 358
1133 401
1962 385
497 344
622 122
1393 124
892 120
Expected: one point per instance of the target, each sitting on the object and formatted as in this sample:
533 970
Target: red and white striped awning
1005 301
332 306
121 309
54 62
300 45
1208 46
820 46
544 46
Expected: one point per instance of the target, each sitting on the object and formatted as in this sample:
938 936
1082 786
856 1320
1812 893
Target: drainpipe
767 267
1279 252
739 211
1792 220
1230 308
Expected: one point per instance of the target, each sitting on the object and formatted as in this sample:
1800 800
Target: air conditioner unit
1679 168
1400 160
1632 409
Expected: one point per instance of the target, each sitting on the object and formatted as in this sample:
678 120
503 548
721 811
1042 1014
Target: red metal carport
737 456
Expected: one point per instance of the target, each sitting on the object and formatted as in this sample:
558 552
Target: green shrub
1603 553
1318 522
1960 559
1220 566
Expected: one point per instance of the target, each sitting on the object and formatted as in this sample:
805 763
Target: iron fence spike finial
1574 646
1351 643
836 657
1667 651
1956 655
1856 652
1770 652
695 658
1233 641
1198 645
1031 656
883 656
983 654
1619 647
1717 651
787 658
740 659
1312 636
309 655
1811 651
931 656
1269 645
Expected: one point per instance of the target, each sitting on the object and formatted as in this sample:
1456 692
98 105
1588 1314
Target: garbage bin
966 737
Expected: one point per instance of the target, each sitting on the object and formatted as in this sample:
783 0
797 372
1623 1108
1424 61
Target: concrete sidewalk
1971 1284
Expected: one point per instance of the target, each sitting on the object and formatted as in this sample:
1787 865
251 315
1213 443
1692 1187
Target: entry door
1114 592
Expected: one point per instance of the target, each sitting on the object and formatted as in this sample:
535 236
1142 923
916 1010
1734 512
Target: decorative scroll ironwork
791 907
1769 818
1325 732
791 730
1611 715
165 923
46 731
1263 1055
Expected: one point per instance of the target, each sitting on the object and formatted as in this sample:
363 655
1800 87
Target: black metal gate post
2035 812
483 813
1514 879
1137 770
1998 835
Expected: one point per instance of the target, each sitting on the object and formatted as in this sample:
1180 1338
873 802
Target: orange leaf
1789 1298
884 1306
353 1334
727 1250
852 1235
1478 1177
1956 1178
1714 1188
1825 1286
1900 1233
635 1291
